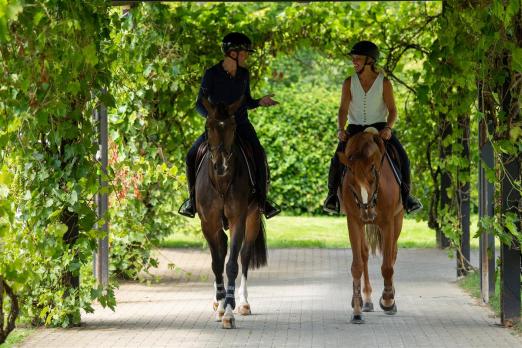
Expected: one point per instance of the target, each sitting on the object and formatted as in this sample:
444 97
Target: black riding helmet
236 42
366 48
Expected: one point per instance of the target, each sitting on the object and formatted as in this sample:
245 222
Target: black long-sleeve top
220 87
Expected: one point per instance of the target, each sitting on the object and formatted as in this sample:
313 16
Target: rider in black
226 82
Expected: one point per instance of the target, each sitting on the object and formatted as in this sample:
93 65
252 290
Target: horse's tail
374 238
258 256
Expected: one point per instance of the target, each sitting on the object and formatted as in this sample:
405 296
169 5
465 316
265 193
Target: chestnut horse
223 191
371 199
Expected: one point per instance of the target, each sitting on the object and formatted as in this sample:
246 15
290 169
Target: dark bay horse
371 199
223 191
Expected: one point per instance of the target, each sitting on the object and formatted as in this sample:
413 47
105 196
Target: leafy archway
56 60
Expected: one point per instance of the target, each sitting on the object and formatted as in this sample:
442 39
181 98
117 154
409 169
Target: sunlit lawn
16 337
318 232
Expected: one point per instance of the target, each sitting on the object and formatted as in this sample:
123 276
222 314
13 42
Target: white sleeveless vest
367 108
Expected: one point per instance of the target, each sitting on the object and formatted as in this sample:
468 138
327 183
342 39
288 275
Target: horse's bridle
372 203
220 148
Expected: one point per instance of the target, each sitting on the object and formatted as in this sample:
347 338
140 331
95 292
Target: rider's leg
410 203
331 204
188 208
248 133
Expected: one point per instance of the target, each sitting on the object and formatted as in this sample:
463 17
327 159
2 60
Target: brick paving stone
302 299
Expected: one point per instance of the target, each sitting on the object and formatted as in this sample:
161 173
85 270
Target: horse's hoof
391 310
229 323
244 309
367 307
219 315
357 319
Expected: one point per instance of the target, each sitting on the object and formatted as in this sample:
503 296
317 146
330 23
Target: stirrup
187 209
412 205
331 204
271 209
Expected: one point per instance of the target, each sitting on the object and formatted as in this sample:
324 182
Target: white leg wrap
243 293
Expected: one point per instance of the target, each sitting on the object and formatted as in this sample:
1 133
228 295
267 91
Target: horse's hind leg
367 291
218 249
252 230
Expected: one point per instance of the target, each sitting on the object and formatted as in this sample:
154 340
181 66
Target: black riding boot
267 207
410 203
331 204
188 208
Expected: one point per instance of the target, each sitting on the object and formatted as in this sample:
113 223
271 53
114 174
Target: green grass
471 284
16 337
316 232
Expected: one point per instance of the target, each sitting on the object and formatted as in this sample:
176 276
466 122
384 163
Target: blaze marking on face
364 195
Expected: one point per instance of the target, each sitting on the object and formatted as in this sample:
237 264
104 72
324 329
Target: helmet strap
234 59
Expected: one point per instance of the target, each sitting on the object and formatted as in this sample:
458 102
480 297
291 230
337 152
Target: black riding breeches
190 160
247 133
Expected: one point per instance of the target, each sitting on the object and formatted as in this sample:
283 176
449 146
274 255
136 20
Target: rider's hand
341 134
386 133
267 101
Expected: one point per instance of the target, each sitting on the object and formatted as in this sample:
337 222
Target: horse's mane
222 112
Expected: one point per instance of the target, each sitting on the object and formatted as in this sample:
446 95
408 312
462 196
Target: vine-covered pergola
76 89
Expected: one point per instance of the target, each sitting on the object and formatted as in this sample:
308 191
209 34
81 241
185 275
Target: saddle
246 151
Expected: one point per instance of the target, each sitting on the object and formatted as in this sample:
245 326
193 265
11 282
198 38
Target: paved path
300 300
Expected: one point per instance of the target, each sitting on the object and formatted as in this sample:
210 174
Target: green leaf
516 59
90 54
73 198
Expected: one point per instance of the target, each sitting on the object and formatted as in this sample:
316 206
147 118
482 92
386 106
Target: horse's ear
211 110
378 140
342 158
232 108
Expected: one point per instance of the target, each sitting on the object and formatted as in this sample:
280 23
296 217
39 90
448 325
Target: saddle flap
393 158
248 155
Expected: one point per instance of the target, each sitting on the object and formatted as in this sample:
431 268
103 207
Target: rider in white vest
367 101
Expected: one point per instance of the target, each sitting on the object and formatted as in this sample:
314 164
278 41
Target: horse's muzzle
368 215
220 170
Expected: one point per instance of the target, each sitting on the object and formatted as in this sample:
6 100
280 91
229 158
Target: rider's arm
346 98
204 90
387 94
249 101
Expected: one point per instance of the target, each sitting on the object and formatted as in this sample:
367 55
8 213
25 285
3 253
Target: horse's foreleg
237 235
387 301
367 290
218 250
355 231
